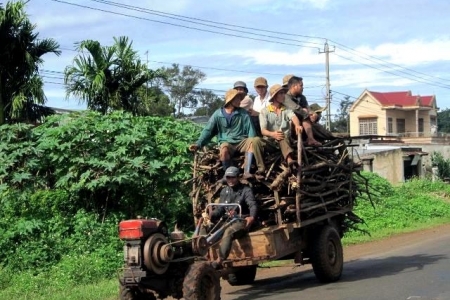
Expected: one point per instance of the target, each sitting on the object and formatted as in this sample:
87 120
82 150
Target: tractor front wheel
201 282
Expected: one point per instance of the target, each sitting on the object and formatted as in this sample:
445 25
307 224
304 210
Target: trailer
303 216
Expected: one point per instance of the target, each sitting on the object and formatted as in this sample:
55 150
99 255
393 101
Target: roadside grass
102 290
415 205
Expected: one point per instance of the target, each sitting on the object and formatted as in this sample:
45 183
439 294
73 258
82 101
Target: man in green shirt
275 120
235 132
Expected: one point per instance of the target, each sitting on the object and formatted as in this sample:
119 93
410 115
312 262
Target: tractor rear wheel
327 255
201 282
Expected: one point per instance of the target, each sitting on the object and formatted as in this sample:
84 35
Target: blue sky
382 45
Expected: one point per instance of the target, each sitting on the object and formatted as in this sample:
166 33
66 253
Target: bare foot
312 142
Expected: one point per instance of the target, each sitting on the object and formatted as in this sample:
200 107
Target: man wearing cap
236 193
319 131
275 123
262 100
296 101
241 87
235 132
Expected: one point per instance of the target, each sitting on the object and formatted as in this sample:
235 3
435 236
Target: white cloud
302 57
408 53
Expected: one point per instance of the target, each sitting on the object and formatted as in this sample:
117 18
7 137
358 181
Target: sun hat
286 79
274 89
260 81
316 108
231 94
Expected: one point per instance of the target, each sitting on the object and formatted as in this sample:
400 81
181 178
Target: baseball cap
232 172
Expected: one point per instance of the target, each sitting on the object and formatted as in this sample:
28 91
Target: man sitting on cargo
234 193
296 101
235 132
320 132
275 121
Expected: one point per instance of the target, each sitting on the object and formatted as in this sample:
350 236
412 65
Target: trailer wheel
134 294
327 255
201 282
242 275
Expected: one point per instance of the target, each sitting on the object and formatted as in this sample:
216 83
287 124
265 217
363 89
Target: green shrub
443 165
65 185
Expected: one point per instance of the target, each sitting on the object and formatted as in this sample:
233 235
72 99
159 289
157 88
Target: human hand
253 112
298 129
193 147
249 221
231 213
278 135
206 219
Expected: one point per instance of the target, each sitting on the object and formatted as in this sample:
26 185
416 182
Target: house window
368 126
401 126
433 121
390 126
420 125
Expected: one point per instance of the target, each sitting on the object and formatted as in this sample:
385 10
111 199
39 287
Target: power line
196 21
228 70
188 19
392 73
183 26
214 22
386 63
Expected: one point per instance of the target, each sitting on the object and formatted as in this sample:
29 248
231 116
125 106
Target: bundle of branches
323 182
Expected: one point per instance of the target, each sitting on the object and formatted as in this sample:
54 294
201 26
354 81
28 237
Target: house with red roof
393 114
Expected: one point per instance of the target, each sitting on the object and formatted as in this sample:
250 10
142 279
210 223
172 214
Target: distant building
393 114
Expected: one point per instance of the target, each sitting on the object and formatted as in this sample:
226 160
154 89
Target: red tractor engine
155 262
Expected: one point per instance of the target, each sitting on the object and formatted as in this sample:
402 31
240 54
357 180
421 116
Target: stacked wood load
327 181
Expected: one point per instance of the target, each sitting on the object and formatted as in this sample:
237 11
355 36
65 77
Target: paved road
411 267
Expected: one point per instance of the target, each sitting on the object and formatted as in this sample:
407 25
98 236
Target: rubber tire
327 256
201 281
135 294
242 275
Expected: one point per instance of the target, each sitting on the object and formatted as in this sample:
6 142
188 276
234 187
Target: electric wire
184 26
344 48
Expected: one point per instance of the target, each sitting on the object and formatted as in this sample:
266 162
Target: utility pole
146 84
327 76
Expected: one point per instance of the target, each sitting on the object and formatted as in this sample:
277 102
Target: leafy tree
180 84
341 119
443 120
21 87
157 103
209 102
109 77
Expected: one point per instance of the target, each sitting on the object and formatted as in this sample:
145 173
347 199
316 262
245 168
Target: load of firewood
326 180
